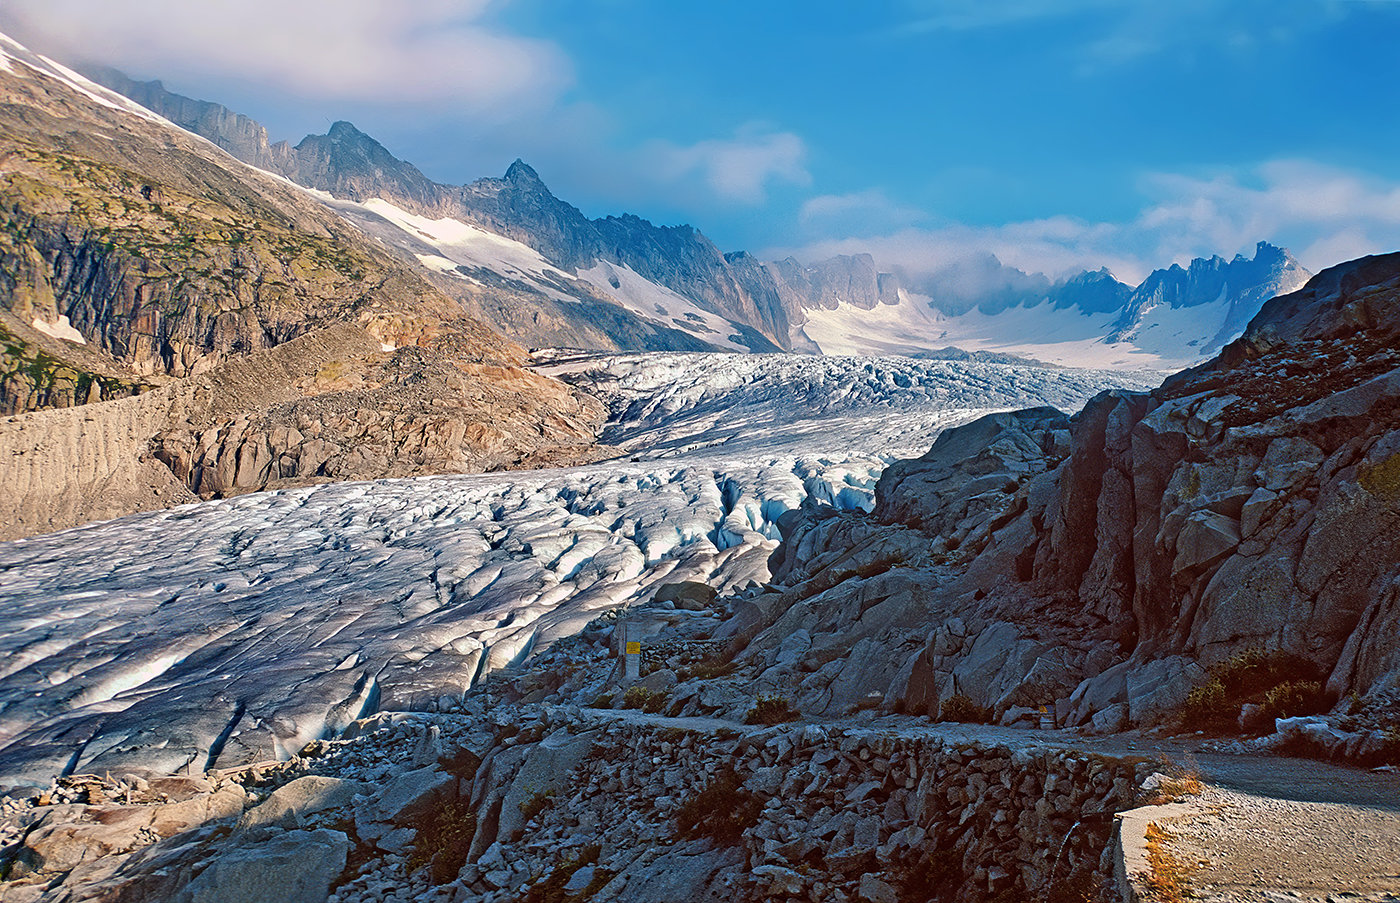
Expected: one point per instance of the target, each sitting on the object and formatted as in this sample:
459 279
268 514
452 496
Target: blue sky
1057 135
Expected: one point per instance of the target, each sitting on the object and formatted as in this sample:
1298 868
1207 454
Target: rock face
1094 564
276 344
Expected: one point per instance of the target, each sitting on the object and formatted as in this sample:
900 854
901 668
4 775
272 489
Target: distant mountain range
539 270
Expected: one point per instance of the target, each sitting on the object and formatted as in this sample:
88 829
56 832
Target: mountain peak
342 129
521 173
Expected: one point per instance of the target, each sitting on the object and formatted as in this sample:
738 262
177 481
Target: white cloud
1323 209
1323 214
1110 33
735 169
368 50
1056 246
869 211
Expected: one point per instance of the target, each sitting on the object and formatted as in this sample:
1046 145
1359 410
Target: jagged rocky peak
844 279
1093 291
350 164
521 173
1202 281
1241 286
1336 304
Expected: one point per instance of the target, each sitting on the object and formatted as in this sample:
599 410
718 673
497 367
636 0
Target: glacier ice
240 629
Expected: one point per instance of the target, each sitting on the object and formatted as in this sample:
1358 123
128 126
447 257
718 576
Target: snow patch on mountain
464 250
642 296
1163 338
60 329
470 246
11 52
1067 337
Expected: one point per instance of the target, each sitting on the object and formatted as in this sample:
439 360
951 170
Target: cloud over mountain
365 50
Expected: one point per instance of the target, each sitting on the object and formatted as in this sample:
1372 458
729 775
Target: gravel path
1249 847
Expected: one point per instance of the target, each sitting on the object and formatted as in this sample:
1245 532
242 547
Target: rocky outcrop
1097 564
330 405
241 136
844 279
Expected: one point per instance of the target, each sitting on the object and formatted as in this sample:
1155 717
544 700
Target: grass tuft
444 838
961 709
772 710
723 811
1168 878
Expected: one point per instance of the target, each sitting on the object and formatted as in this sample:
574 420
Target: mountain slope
137 257
352 167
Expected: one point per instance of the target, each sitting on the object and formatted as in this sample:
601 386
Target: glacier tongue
240 629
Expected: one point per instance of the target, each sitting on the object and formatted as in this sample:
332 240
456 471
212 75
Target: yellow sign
634 648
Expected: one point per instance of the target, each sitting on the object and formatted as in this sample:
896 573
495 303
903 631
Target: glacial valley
236 630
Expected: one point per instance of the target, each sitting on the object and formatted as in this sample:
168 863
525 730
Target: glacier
238 630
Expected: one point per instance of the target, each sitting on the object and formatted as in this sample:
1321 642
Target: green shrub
1292 698
1253 671
444 839
723 811
962 709
644 699
1207 706
772 710
706 669
1250 677
636 697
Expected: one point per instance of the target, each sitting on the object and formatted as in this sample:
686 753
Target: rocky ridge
137 258
766 303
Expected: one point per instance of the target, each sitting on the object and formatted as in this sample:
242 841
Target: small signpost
631 651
